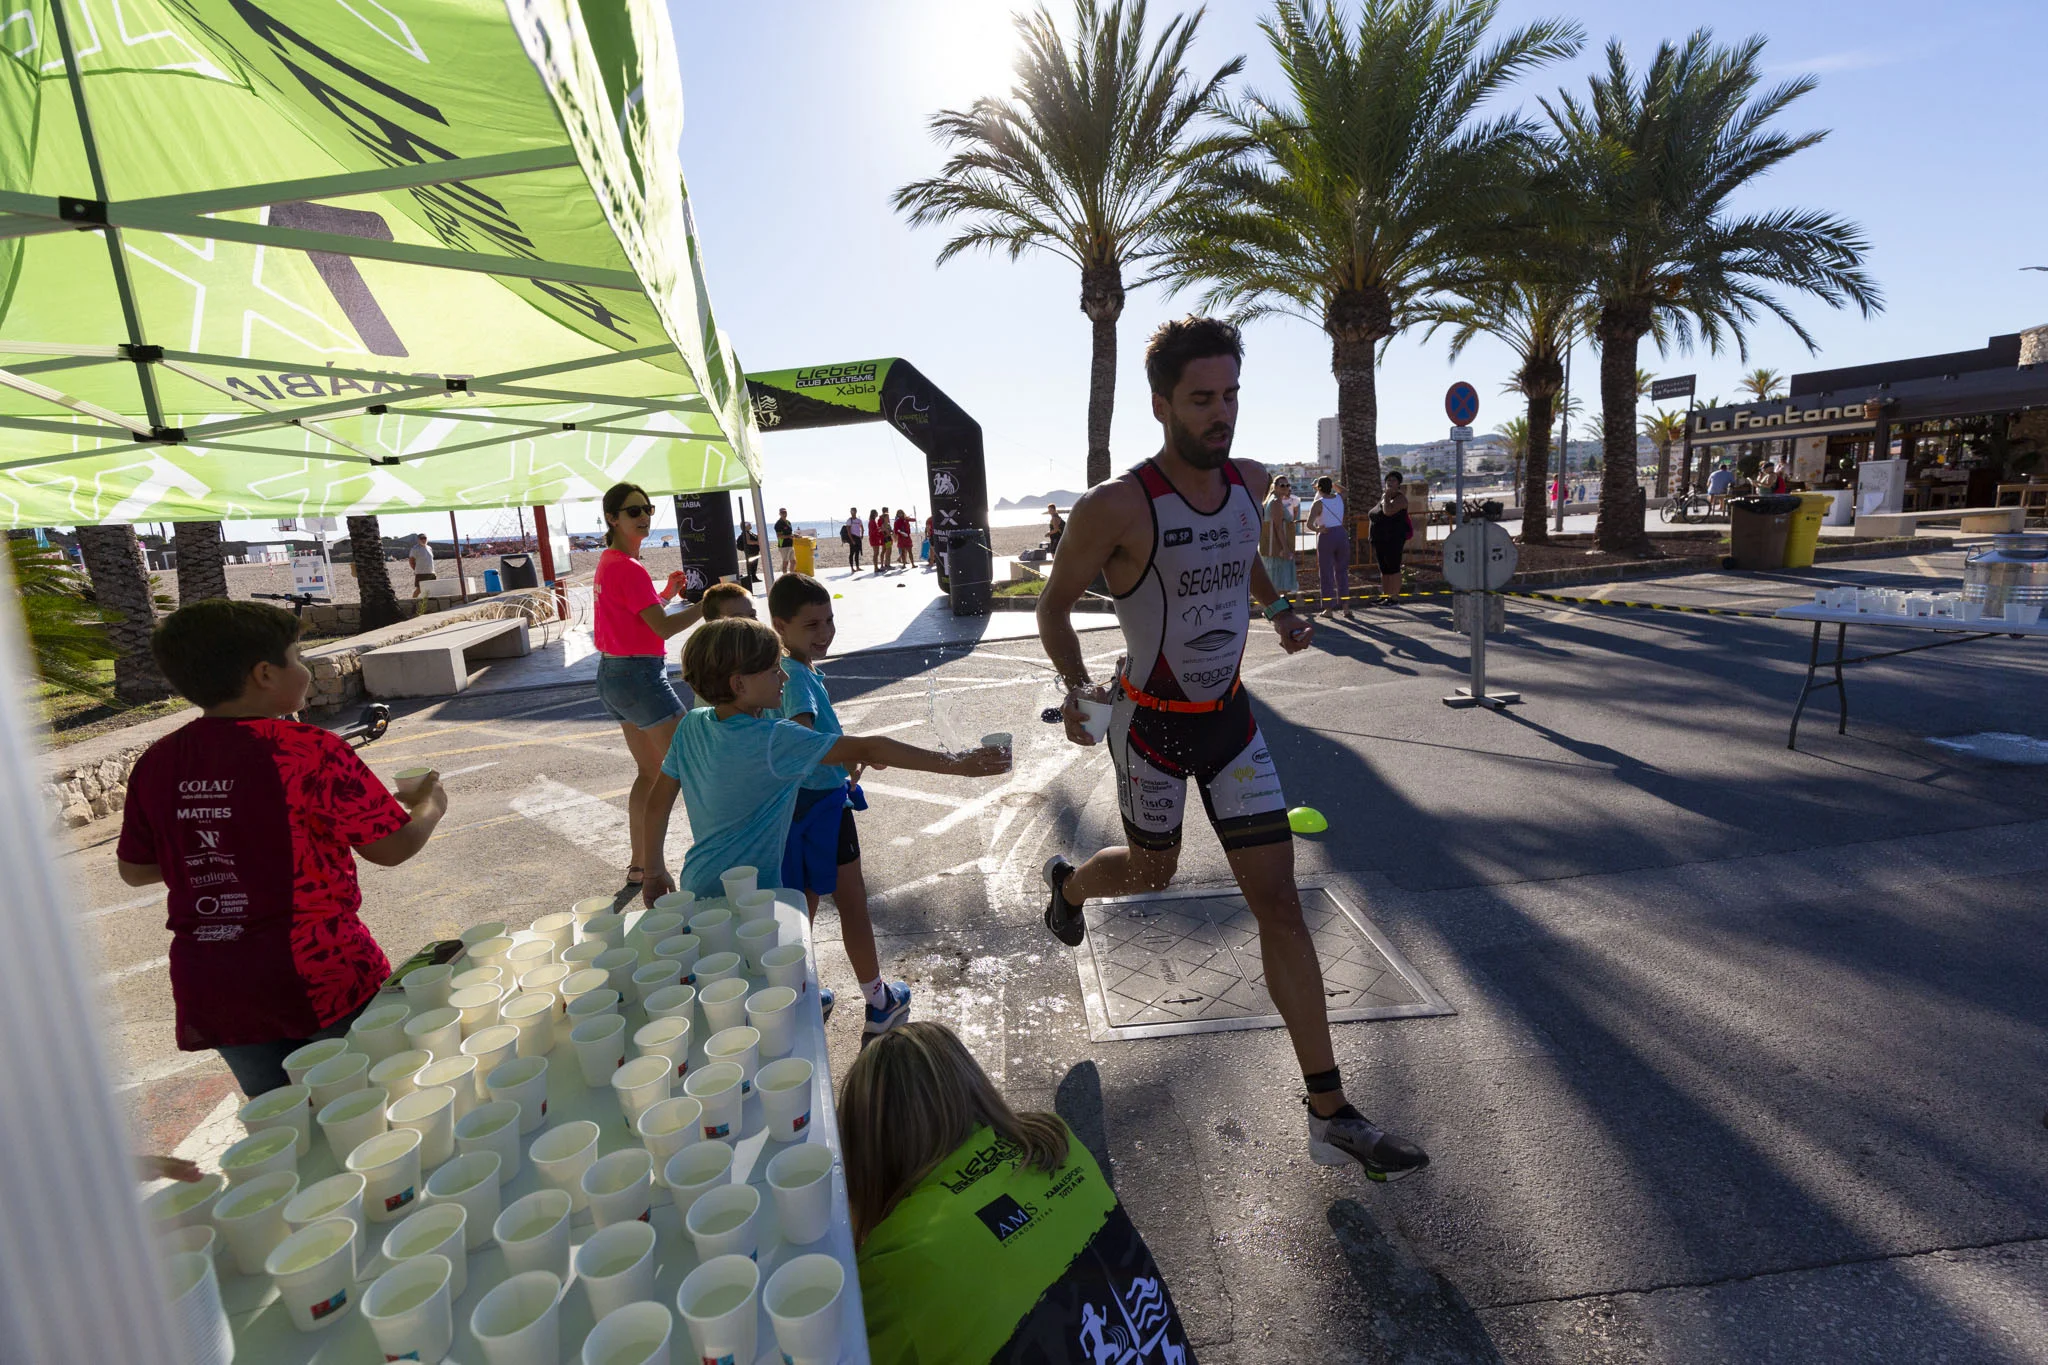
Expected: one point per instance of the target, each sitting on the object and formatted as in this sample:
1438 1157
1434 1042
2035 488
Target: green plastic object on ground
1306 820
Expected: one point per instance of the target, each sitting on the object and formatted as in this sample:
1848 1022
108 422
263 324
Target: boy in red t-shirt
249 820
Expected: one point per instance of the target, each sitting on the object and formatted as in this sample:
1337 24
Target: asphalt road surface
1748 1054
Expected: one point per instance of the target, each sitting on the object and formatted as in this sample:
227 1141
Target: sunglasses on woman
637 510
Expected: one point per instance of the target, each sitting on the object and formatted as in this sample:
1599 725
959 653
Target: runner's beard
1195 449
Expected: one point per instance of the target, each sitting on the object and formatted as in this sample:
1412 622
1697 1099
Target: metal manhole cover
1188 962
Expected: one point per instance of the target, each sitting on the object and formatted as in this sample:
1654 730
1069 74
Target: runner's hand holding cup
1295 631
1086 712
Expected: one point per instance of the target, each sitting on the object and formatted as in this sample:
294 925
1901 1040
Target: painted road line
178 1065
904 793
133 969
154 898
1028 783
597 827
445 830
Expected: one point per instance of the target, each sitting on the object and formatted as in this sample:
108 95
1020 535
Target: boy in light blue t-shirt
739 768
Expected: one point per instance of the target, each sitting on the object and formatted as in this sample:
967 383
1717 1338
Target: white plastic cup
494 952
558 928
491 1047
524 1082
329 1080
671 1002
477 1007
438 1032
2023 613
642 1083
354 1119
472 1181
479 976
590 1004
719 966
580 957
437 1230
1095 717
802 1298
999 740
398 1074
193 1285
297 1064
616 1267
608 928
288 1106
694 1172
772 1014
683 950
578 984
185 1203
714 929
390 1163
457 1073
338 1196
785 1090
430 1112
492 1127
272 1150
618 965
527 954
203 1238
562 1154
314 1269
650 929
741 1047
520 1322
800 1188
652 977
588 906
675 903
619 1188
478 933
250 1218
633 1334
533 1233
738 881
666 1036
716 1086
668 1127
723 1003
785 965
410 1311
533 1015
756 937
426 988
600 1045
725 1222
721 1304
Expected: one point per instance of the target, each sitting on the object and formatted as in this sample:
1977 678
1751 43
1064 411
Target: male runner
1177 539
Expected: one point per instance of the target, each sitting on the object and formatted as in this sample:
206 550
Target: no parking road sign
1461 403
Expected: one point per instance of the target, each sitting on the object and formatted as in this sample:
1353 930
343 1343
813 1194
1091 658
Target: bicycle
1686 507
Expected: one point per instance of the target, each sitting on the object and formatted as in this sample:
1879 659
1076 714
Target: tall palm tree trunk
1102 299
113 561
201 571
1358 421
1620 527
1536 474
373 578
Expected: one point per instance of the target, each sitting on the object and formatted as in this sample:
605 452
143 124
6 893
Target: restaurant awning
260 259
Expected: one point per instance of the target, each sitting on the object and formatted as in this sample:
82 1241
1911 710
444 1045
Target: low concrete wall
337 665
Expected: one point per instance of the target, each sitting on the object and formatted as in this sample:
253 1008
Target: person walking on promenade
852 533
1276 537
1333 546
1055 527
422 556
878 540
1176 538
1390 531
902 530
631 629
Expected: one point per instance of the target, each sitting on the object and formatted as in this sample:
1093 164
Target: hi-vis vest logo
1005 1217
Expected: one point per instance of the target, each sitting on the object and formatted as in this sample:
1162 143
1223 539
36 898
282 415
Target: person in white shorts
1177 540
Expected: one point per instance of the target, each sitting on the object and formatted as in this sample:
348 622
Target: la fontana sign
1789 415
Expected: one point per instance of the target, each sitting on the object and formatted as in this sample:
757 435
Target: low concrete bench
438 664
1977 520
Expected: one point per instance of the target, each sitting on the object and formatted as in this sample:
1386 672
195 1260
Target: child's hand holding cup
992 758
411 785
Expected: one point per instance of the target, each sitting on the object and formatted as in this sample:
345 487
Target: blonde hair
912 1097
719 649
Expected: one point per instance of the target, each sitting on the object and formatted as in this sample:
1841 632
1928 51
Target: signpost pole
1458 483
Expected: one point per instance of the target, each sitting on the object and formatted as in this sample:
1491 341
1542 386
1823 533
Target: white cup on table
297 1064
193 1289
430 1112
786 965
757 936
802 1298
667 1037
409 1309
470 1180
800 1188
353 1119
491 1047
714 930
250 1218
390 1164
477 933
738 881
314 1269
426 988
558 928
720 1303
608 928
618 965
437 1032
723 1003
616 1267
683 950
739 1046
398 1074
519 1322
619 1188
671 1002
725 1222
457 1073
288 1106
477 1007
185 1203
338 1196
436 1230
492 1127
273 1149
653 976
632 1334
534 1016
533 1232
600 1045
524 1082
329 1080
772 1014
562 1154
717 1086
668 1127
785 1090
695 1171
642 1083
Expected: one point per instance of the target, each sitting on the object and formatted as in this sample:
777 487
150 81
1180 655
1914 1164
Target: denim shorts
634 688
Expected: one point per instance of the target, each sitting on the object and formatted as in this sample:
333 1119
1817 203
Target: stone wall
83 792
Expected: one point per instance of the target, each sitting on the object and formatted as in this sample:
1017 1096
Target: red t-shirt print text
253 823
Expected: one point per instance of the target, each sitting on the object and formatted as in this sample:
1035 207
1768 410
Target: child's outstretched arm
661 803
879 751
426 805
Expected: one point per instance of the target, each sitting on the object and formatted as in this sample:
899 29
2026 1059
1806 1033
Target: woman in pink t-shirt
632 631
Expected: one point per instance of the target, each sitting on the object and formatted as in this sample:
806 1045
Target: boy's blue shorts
822 839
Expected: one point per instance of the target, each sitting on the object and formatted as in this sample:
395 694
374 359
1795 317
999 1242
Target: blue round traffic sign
1461 403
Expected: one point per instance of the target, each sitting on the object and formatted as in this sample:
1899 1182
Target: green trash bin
1757 528
1803 536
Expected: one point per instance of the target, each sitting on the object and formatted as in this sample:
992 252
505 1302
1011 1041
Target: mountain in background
1063 497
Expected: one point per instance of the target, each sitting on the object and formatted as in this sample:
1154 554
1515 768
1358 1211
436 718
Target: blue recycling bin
492 583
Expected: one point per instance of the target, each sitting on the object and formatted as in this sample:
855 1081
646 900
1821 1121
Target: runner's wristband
1277 608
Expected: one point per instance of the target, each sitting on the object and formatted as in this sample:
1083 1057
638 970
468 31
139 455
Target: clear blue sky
803 116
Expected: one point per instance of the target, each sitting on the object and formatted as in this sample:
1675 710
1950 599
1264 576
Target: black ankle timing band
1323 1082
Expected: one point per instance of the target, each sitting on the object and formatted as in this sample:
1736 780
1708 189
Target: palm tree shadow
1416 1311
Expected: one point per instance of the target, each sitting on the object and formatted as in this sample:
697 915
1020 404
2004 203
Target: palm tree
201 572
1656 158
373 577
1363 195
1762 385
1665 429
122 590
67 631
1086 159
1514 433
1534 321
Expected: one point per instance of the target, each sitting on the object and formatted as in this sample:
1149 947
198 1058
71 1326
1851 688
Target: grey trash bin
518 571
1757 528
971 567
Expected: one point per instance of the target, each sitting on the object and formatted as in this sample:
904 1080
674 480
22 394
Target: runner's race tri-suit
1180 710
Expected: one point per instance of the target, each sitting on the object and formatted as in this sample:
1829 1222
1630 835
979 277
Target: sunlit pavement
1748 1053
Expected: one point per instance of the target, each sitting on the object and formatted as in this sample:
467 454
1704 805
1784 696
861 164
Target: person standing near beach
1390 531
785 534
851 533
422 556
1333 546
902 529
878 540
1276 537
1177 541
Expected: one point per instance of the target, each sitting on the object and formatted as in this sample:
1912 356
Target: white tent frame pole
56 428
59 398
306 423
761 530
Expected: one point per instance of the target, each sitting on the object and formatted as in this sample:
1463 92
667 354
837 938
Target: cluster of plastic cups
1927 605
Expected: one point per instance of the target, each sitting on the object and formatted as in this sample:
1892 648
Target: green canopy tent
267 259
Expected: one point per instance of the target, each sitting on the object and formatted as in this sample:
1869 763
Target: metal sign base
1463 698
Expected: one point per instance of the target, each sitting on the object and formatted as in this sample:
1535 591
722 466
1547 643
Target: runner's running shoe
1067 924
1347 1136
880 1021
826 999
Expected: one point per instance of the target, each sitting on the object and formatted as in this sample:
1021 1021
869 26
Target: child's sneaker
827 997
880 1021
